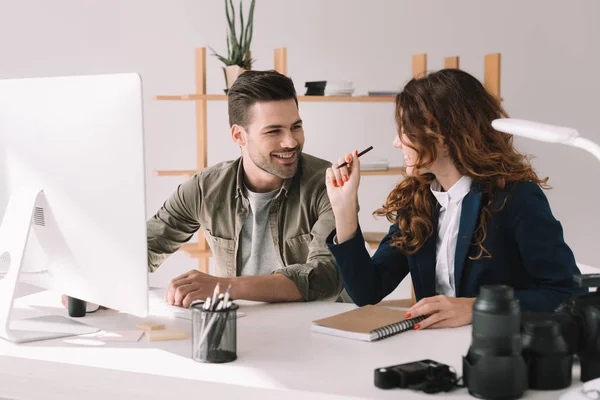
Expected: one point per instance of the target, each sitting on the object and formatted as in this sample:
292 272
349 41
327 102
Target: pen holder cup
214 334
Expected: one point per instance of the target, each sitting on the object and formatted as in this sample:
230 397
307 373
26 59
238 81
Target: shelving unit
201 250
349 99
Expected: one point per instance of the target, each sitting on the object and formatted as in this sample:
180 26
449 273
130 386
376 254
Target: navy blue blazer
524 239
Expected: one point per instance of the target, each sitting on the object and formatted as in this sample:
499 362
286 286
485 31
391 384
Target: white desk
278 356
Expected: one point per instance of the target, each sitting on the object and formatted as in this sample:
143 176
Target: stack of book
378 165
383 93
329 88
316 88
339 88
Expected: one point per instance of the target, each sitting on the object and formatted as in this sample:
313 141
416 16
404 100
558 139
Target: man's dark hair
257 86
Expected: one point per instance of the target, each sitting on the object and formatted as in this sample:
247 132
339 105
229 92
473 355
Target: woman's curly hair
451 108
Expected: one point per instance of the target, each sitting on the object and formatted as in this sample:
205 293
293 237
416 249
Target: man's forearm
272 288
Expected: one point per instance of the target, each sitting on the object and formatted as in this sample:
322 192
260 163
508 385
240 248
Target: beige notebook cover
367 323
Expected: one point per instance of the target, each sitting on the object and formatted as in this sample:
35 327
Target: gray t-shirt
257 249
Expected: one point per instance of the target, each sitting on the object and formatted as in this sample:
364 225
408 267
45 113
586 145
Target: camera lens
589 354
496 323
547 353
580 322
494 367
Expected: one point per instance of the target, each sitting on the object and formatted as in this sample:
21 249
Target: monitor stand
28 208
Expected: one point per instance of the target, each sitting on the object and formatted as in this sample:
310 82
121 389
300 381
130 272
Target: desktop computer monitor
72 191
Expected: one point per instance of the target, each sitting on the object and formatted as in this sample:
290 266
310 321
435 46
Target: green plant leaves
238 50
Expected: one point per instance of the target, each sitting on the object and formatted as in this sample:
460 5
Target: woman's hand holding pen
342 189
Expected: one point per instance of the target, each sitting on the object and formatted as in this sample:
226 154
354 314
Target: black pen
359 154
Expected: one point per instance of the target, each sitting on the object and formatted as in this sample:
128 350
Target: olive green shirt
300 219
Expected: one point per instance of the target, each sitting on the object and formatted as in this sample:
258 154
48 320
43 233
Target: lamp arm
588 145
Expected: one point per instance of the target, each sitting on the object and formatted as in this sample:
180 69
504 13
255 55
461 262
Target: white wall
550 60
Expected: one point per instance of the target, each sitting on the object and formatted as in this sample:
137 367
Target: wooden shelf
358 99
389 171
192 250
373 238
189 173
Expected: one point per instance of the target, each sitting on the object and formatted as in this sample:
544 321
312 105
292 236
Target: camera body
579 321
412 374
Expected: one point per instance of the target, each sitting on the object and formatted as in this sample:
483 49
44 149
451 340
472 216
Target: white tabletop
276 352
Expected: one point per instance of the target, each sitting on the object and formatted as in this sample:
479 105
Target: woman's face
410 154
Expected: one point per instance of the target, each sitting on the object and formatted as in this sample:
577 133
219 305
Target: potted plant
238 57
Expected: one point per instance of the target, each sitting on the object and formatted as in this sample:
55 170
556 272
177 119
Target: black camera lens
589 354
496 323
582 331
494 367
547 355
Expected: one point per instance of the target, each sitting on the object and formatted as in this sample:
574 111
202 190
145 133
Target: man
265 215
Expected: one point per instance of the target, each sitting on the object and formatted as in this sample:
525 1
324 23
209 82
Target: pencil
215 296
359 154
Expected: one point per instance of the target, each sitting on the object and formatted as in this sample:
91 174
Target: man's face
274 137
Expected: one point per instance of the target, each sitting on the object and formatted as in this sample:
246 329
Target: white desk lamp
546 133
562 135
550 134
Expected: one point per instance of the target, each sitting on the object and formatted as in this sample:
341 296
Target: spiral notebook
368 323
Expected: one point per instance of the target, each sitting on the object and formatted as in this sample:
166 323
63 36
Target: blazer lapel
468 220
425 261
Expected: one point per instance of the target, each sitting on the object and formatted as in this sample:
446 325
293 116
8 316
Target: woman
469 212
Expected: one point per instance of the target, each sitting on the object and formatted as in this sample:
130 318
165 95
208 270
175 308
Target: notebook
368 323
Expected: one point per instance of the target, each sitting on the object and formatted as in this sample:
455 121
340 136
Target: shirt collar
261 196
455 194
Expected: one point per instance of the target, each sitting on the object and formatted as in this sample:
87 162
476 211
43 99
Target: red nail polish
407 315
334 183
340 182
356 153
417 327
345 178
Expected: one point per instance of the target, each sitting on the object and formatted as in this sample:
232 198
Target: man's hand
443 312
191 286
